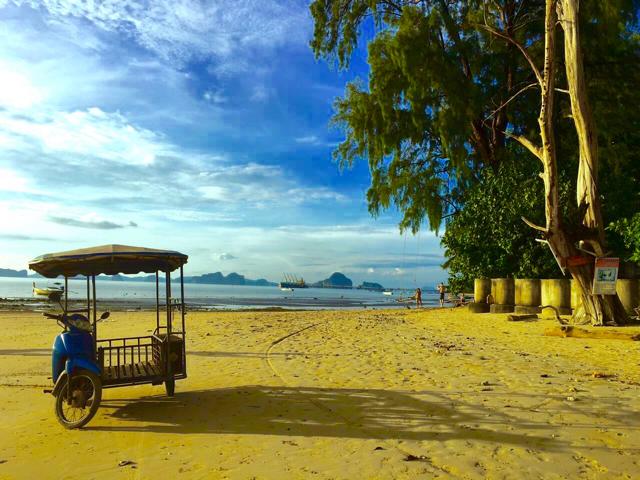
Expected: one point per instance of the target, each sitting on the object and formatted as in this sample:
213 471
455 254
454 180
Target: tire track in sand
327 409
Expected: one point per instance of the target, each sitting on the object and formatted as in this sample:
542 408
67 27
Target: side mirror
104 315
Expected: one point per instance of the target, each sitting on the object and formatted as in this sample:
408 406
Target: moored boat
53 293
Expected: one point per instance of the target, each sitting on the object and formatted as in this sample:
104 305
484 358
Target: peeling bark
595 309
599 309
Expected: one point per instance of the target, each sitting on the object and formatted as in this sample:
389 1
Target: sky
192 126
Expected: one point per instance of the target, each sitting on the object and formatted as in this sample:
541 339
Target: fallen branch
521 318
555 310
570 331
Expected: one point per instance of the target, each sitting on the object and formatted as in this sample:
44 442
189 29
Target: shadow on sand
299 411
27 352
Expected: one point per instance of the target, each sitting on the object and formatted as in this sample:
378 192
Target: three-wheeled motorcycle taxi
82 364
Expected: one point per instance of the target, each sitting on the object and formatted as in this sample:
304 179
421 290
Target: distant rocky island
8 272
336 280
232 279
370 286
217 278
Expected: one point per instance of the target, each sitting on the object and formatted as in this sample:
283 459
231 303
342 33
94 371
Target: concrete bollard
503 293
503 290
527 295
628 290
481 289
557 293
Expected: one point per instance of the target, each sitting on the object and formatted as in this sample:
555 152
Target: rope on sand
277 374
282 339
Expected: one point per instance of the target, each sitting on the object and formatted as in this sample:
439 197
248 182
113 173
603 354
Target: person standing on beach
418 297
442 289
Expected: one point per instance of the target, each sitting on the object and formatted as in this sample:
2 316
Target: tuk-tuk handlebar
104 316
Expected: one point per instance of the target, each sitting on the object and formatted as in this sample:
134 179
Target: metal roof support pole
182 297
88 299
66 295
184 334
157 304
168 286
95 310
169 366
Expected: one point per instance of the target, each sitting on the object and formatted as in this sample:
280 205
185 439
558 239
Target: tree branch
533 225
519 46
528 144
531 85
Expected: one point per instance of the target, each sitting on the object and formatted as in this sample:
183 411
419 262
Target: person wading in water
418 297
442 289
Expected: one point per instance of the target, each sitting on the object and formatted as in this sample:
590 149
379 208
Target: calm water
216 296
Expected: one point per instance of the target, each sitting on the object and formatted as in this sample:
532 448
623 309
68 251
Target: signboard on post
605 276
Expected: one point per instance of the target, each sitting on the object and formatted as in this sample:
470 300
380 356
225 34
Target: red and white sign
605 276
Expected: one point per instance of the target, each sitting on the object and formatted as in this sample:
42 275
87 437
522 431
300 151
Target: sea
220 297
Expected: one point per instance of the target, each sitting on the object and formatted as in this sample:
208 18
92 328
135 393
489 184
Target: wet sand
212 304
337 395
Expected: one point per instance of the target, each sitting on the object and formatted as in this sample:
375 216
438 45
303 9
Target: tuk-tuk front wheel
170 387
79 399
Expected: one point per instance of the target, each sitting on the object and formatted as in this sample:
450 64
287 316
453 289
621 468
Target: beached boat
49 292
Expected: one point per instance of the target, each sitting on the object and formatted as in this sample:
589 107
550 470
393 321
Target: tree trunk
596 309
599 309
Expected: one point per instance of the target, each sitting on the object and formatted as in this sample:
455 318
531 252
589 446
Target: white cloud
91 134
226 256
312 139
215 97
12 181
397 272
186 29
90 220
215 192
258 185
260 94
314 252
16 89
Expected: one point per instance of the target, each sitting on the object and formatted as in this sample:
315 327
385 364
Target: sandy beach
337 395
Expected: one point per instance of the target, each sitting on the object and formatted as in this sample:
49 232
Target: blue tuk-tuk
83 364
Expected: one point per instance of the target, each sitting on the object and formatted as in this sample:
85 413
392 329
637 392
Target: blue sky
188 125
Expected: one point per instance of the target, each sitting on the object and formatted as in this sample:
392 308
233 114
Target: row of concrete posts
526 295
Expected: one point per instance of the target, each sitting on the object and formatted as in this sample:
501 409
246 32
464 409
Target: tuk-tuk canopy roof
107 259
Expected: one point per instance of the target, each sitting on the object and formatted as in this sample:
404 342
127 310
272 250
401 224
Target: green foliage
629 231
442 92
488 239
424 122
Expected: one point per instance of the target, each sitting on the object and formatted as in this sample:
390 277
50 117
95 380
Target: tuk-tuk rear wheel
86 387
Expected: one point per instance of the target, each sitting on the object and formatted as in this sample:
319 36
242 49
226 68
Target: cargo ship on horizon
291 281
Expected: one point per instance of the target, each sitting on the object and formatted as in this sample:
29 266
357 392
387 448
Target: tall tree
568 242
452 81
428 121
